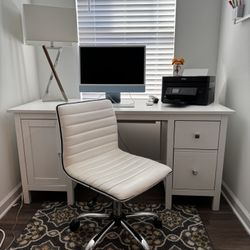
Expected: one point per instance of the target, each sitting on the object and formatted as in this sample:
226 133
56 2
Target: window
147 22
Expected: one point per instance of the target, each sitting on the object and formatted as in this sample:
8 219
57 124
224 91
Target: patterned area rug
48 230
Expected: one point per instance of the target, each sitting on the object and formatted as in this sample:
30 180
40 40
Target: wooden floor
223 227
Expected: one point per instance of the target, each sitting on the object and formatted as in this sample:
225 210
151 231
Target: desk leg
22 160
216 202
168 191
163 142
71 193
220 163
167 136
26 196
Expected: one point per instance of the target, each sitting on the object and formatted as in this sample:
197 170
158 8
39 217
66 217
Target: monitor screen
112 65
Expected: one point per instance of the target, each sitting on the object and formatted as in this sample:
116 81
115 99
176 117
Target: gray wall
197 33
18 84
234 90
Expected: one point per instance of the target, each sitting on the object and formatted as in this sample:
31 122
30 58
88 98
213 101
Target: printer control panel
181 91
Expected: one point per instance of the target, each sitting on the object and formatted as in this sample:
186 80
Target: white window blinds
147 22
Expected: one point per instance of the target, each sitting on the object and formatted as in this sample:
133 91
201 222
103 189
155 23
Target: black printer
185 90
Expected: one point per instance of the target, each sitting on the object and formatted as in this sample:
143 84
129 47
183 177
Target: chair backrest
87 129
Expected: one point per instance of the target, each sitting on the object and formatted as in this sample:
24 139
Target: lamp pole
54 73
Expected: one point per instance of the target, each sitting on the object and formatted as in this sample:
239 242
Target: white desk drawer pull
197 136
194 172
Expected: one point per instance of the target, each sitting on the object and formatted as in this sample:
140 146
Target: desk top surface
39 106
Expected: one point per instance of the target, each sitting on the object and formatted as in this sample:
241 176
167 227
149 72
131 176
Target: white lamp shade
43 24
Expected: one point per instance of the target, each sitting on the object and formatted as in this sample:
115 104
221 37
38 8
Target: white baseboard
240 211
10 199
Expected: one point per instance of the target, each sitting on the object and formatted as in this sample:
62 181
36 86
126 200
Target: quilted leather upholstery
91 154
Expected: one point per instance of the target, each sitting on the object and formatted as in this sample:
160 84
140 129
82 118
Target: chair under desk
192 143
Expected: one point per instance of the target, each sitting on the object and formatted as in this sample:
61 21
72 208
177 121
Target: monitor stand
115 98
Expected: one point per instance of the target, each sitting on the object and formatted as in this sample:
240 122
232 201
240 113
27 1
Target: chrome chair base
117 219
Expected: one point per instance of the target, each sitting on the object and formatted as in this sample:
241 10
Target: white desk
192 144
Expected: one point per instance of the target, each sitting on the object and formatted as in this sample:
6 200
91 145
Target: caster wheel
74 225
157 223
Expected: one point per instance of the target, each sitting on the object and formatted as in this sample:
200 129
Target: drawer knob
194 172
59 155
197 136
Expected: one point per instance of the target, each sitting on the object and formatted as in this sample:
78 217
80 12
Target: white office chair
91 157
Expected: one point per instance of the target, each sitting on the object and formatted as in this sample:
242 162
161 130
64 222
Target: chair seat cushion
119 174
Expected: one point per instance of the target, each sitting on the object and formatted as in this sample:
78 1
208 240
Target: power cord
115 102
111 98
100 97
14 226
131 97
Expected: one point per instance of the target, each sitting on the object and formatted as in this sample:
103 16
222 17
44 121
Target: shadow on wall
18 84
16 71
221 85
9 149
236 141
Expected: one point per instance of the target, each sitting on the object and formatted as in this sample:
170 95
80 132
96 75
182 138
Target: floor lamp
52 28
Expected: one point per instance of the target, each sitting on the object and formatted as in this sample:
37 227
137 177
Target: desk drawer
194 169
197 134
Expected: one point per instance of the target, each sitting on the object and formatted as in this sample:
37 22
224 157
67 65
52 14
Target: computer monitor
112 69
